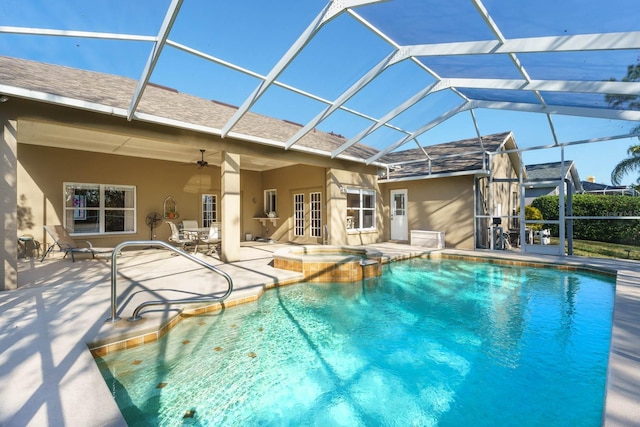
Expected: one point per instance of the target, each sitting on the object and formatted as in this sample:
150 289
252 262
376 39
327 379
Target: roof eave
94 107
477 172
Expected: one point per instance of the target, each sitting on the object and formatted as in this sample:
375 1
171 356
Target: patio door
399 223
306 226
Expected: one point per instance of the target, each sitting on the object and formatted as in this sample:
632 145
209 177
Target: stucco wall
505 194
250 202
441 204
337 207
298 179
42 171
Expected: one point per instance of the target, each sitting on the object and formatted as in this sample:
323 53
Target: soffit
101 141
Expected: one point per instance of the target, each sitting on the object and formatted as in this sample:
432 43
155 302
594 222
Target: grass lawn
593 249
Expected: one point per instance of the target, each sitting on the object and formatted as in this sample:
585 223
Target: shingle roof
548 171
594 187
116 92
462 162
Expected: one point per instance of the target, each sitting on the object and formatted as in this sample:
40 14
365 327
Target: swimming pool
428 343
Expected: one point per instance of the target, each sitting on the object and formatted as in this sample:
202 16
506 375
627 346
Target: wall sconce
4 98
342 189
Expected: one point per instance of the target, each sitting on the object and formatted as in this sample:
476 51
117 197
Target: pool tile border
103 349
520 263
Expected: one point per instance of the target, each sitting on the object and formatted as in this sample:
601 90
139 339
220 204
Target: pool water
447 343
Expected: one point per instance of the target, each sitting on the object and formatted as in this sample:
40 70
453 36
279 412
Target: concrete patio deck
48 374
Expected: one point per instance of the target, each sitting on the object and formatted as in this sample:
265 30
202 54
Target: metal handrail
135 316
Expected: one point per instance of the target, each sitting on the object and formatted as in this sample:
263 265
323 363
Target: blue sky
254 34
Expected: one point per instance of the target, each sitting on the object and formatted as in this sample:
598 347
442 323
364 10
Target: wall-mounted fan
153 220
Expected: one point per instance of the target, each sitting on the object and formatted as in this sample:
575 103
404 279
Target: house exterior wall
250 202
438 204
506 195
337 207
447 203
43 170
288 181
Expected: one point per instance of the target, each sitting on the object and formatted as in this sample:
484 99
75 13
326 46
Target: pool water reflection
428 343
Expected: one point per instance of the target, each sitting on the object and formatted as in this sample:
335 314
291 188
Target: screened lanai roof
385 74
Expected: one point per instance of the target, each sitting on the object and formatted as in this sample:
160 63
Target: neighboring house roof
451 157
553 172
593 187
112 94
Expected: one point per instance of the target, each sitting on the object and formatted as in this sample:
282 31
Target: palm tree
632 102
627 165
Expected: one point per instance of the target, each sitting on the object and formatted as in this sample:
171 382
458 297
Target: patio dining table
196 234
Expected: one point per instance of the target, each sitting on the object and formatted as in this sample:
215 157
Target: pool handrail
136 313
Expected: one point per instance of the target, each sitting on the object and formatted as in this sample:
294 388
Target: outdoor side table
30 246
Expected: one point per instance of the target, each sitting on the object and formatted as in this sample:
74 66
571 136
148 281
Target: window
361 209
99 208
270 201
298 214
209 209
316 214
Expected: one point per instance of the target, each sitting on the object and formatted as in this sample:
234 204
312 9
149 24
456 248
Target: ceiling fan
202 162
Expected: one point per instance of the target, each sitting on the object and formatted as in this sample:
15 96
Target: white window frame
270 200
298 214
209 212
315 214
76 211
357 213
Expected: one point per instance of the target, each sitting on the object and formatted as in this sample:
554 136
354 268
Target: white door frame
398 215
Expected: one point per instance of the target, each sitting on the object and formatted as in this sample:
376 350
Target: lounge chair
66 244
177 240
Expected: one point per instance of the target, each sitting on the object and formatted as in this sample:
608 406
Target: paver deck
47 326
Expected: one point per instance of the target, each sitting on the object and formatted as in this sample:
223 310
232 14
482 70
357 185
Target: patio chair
177 240
213 239
66 244
189 227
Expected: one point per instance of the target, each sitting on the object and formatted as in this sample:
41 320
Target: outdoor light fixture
4 98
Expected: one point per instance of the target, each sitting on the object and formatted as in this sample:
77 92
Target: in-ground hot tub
322 263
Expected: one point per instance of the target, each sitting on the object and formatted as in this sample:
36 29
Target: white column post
230 206
9 197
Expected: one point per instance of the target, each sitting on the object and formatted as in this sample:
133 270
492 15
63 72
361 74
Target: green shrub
605 230
534 213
